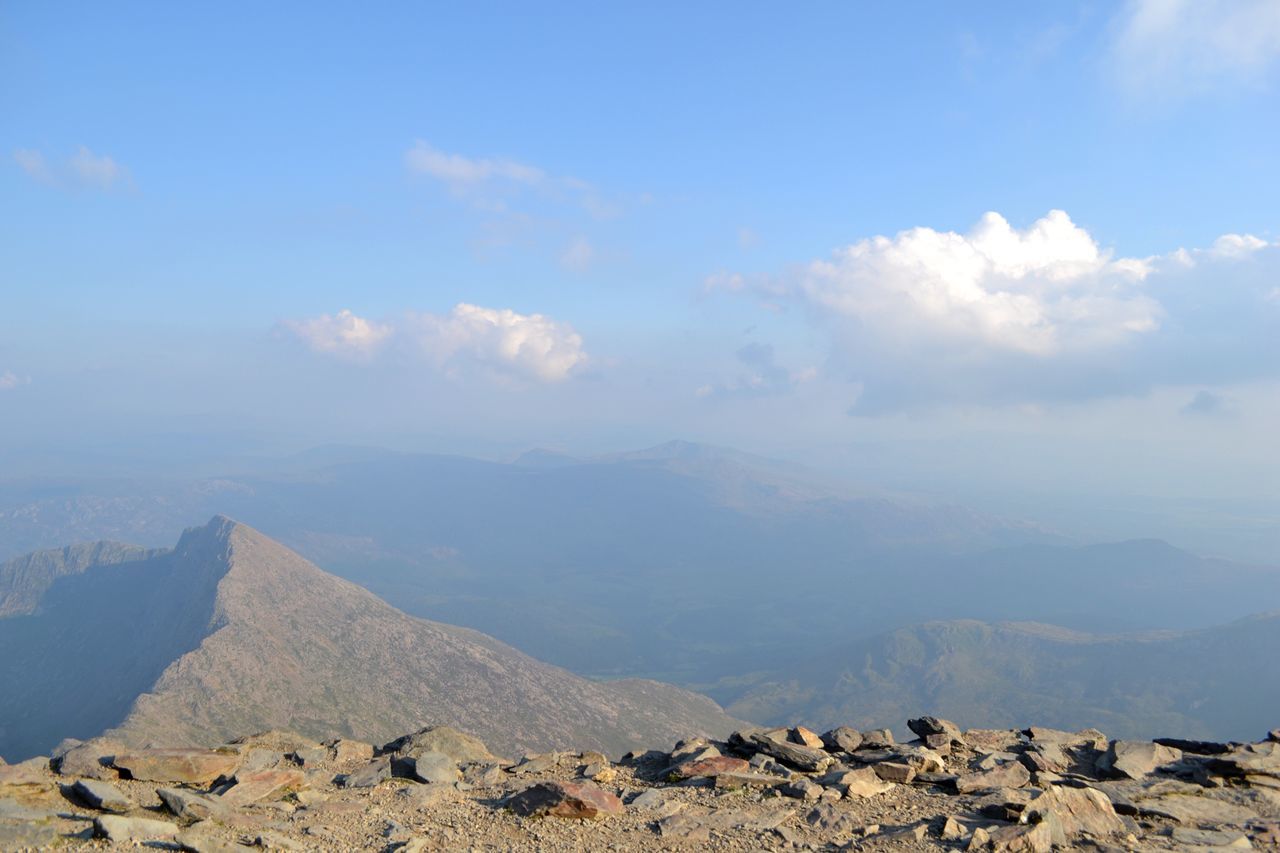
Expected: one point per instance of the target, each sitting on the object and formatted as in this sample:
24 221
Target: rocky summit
440 788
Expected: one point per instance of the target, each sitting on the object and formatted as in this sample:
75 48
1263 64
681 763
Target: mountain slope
24 580
282 644
1222 682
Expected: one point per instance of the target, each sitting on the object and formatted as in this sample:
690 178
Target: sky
1025 256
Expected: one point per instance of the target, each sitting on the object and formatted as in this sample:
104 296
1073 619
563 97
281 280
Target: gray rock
1011 775
877 739
100 795
1135 759
830 820
801 789
90 759
436 767
794 755
121 829
925 726
369 775
189 805
1077 811
842 739
458 745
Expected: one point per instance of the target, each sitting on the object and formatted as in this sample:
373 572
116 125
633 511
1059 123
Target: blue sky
655 214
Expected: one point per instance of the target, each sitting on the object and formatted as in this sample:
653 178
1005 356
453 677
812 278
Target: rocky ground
440 789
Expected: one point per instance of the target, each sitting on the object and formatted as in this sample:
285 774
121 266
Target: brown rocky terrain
232 632
440 789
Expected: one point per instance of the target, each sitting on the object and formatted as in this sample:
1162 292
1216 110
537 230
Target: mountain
24 580
232 632
1221 683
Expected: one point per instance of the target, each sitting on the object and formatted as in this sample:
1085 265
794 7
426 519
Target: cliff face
232 632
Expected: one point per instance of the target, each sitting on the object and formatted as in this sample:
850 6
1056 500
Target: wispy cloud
762 375
424 159
499 343
10 380
84 168
1172 48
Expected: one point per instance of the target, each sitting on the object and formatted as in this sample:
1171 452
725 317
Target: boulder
434 767
1011 775
458 745
801 789
842 739
877 739
856 784
91 759
1078 811
119 829
831 821
189 766
1129 759
368 775
805 737
258 785
792 754
190 806
926 726
581 800
1020 839
895 771
100 795
343 751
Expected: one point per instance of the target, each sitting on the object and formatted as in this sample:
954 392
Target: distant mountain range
1219 683
231 632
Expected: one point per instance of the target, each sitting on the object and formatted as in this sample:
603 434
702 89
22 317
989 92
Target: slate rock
794 755
369 775
894 771
190 766
1131 759
738 781
830 820
100 795
805 737
842 739
189 805
90 759
122 829
706 768
344 751
1020 839
862 783
581 800
877 739
250 787
801 789
926 726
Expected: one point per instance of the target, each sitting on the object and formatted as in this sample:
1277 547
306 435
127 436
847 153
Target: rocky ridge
1035 789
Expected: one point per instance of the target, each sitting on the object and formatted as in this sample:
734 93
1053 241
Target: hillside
232 632
1221 682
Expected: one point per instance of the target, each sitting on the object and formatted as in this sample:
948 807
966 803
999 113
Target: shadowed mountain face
1221 683
232 632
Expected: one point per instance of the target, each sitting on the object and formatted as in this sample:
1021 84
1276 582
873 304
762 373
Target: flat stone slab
581 800
190 766
100 795
117 828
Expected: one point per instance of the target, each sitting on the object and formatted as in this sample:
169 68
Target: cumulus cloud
1001 315
342 334
1040 290
1173 47
501 343
83 168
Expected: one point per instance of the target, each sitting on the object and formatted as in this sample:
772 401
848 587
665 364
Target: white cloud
761 375
423 159
10 380
1237 245
529 346
94 169
499 342
343 334
1183 46
1040 290
578 255
32 162
83 168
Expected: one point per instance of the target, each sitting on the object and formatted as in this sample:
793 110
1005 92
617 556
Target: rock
581 800
259 785
121 829
1021 839
29 772
830 820
1196 747
1184 808
952 830
483 775
369 775
1084 738
1130 759
458 745
191 766
435 767
1209 837
540 763
28 836
343 751
1274 735
893 771
792 754
189 805
428 795
801 789
684 827
1045 758
706 768
842 739
1255 758
919 758
979 840
100 795
90 759
877 739
805 737
737 781
650 800
857 784
926 726
994 759
1077 810
201 839
1011 775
